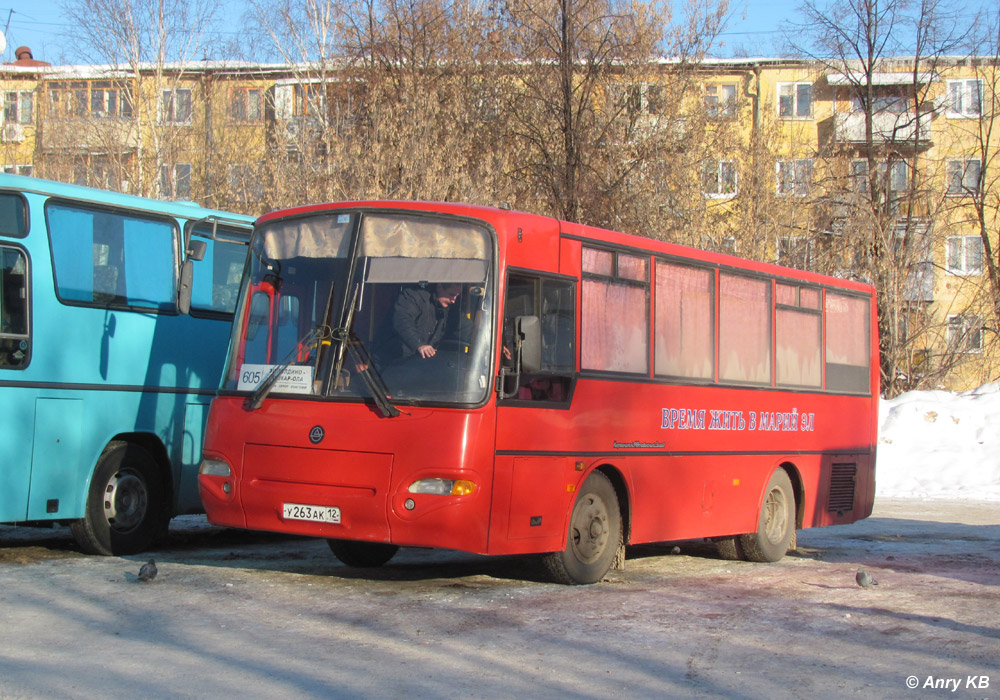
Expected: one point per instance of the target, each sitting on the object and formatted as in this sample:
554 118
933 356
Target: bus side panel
56 460
15 450
186 468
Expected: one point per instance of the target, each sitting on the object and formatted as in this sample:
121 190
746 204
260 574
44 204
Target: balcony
887 127
88 135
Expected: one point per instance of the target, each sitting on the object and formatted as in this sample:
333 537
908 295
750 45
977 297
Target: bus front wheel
776 523
595 532
362 555
125 509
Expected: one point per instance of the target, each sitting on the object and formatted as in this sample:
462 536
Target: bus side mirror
529 336
196 250
184 288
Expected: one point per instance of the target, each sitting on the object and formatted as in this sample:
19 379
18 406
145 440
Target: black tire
595 533
729 548
362 555
776 524
126 505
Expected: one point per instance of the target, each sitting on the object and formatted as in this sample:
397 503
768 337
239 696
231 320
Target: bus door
533 407
15 354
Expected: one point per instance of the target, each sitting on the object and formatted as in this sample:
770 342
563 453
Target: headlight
443 487
214 467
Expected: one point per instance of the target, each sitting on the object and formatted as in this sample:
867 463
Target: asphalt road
250 616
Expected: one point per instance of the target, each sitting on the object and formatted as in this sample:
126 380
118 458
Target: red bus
471 378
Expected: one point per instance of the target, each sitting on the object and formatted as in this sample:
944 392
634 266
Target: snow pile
936 444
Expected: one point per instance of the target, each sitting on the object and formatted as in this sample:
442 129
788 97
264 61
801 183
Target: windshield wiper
349 343
254 401
373 378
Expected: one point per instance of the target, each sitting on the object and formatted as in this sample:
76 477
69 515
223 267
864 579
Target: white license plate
319 514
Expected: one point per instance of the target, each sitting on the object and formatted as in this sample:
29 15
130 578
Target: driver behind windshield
419 321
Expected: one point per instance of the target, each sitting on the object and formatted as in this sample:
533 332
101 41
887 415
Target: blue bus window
14 339
217 276
13 218
109 258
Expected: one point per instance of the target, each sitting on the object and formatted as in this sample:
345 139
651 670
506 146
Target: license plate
319 514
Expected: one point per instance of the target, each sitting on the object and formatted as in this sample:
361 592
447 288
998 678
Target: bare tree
886 203
135 116
587 68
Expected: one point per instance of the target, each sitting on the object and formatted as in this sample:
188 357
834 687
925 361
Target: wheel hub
590 529
776 516
125 501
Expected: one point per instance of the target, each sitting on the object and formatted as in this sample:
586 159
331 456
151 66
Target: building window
245 104
110 100
794 176
175 106
965 255
18 107
895 177
795 100
26 170
963 177
965 98
718 179
892 104
175 181
724 244
645 98
795 251
308 100
99 99
965 333
720 101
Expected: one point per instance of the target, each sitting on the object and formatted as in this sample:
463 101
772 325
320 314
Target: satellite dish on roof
3 42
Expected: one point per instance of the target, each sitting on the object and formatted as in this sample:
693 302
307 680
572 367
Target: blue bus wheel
595 533
125 505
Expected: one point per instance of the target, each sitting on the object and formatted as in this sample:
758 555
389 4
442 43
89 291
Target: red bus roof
582 231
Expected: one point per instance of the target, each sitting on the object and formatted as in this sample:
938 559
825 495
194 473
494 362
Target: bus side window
554 303
217 275
15 342
112 258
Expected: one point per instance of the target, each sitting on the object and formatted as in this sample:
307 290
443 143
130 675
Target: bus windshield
366 305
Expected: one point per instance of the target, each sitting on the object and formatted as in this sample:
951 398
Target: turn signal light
443 487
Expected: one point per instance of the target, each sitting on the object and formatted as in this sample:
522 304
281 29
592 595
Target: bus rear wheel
362 555
125 509
776 523
595 532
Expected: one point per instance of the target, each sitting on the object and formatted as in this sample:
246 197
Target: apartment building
803 164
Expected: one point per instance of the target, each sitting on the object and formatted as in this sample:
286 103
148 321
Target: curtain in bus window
684 321
744 329
847 350
71 235
149 263
599 262
798 348
614 327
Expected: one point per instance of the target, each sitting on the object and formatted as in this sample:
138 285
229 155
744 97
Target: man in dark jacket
419 319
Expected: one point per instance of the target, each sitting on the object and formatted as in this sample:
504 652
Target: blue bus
115 313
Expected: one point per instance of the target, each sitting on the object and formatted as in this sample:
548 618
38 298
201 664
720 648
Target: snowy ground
936 444
256 616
